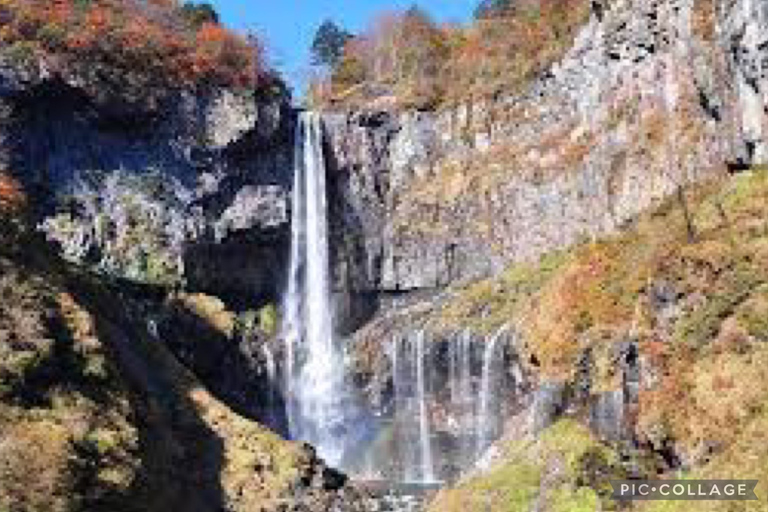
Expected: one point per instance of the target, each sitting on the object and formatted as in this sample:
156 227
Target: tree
12 197
328 45
200 14
492 8
422 49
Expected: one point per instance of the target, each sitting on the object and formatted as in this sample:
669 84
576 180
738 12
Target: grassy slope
541 472
65 435
697 307
97 415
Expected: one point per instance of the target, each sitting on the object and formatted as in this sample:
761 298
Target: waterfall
411 409
291 325
446 385
314 369
427 468
271 367
401 406
319 406
465 376
466 403
486 423
751 101
270 362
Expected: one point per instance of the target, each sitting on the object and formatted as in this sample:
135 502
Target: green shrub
52 35
21 53
518 481
268 319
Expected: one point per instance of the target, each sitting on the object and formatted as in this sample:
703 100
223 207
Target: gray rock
398 231
548 403
134 191
607 415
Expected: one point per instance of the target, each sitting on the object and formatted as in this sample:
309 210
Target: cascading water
486 422
462 399
271 367
751 101
411 414
291 327
406 446
446 404
314 370
425 443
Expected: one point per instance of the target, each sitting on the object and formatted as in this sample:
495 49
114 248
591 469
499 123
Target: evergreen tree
198 14
328 46
492 8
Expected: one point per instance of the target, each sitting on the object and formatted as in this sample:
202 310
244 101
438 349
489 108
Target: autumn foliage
422 64
150 41
13 203
12 197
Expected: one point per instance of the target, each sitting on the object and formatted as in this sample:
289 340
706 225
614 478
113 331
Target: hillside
655 338
405 60
131 49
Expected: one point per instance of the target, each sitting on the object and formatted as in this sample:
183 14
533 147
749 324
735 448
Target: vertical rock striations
652 96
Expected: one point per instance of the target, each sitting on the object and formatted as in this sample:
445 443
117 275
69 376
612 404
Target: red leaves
226 57
145 38
12 197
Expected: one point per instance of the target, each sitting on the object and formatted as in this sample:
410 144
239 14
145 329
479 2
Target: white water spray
314 370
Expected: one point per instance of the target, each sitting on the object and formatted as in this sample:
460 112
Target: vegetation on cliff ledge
134 44
405 59
545 472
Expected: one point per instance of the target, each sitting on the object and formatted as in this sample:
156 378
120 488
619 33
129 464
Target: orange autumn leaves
409 55
12 197
150 37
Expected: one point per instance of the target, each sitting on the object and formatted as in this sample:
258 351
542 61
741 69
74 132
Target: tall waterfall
409 441
314 369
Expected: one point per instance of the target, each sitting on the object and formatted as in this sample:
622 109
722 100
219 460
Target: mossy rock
549 472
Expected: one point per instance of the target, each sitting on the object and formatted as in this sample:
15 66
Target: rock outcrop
652 96
141 188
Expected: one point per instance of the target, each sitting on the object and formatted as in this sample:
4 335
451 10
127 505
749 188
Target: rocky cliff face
148 188
653 95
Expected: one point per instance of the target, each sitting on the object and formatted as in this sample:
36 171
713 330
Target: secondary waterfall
449 394
486 424
425 443
410 382
314 370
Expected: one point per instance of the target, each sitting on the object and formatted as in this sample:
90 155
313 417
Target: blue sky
289 25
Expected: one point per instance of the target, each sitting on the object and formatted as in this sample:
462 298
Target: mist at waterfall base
443 408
